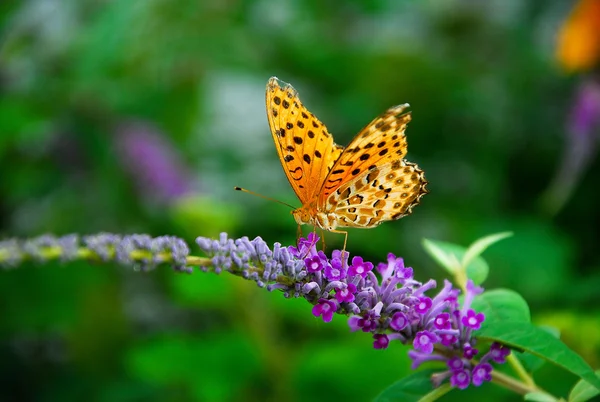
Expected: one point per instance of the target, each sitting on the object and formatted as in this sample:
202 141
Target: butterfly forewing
305 147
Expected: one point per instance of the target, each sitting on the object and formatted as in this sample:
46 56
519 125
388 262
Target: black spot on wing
298 171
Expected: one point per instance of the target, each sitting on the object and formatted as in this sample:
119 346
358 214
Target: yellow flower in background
578 46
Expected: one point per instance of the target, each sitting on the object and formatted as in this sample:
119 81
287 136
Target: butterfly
360 186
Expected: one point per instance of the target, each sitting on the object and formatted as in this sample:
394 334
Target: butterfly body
310 215
360 186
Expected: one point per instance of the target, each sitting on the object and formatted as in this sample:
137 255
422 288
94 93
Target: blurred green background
141 117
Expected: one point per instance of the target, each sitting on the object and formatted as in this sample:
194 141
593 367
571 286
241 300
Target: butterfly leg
298 235
322 237
345 238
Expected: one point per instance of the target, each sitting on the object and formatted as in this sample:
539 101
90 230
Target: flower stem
520 370
515 385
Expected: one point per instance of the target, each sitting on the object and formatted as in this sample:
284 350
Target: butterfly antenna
263 196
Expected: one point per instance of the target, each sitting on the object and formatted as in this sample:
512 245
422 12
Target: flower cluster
462 371
141 251
152 160
384 300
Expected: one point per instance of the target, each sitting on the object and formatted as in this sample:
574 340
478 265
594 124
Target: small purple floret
423 305
482 373
368 323
313 264
424 341
442 321
469 352
499 352
399 321
455 364
381 341
346 295
354 323
460 379
334 271
448 339
360 267
472 319
325 308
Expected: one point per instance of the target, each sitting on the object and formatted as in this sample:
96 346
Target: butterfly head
310 216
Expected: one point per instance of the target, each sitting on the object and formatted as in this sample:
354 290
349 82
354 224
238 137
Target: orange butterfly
361 186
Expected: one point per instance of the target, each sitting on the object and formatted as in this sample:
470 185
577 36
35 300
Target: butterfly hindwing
305 147
381 141
383 193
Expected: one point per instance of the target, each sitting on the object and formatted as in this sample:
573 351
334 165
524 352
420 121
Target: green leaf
531 362
442 253
501 305
478 270
415 387
526 337
479 246
583 391
448 255
453 257
539 397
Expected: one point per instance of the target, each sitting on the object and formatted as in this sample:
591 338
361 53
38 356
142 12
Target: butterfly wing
305 147
383 193
370 182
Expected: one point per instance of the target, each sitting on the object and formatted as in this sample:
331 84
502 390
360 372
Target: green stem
520 370
516 385
436 393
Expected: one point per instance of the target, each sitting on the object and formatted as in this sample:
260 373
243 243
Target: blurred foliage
490 114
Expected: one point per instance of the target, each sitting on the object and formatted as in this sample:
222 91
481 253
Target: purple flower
381 341
455 364
335 271
325 308
499 352
419 358
469 352
423 305
442 321
585 114
313 264
152 160
311 240
346 295
460 379
473 320
448 339
482 373
360 267
392 306
399 321
369 321
424 341
139 251
580 148
354 323
336 255
404 274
